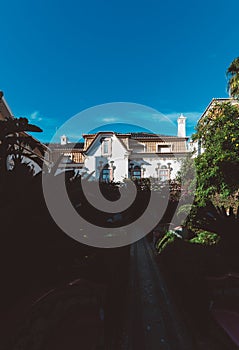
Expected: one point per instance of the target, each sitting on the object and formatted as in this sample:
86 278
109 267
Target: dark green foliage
233 75
168 238
205 238
218 166
15 125
187 175
14 141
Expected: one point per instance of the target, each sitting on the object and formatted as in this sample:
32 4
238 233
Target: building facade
110 156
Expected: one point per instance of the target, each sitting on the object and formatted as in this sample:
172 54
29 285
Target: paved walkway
153 321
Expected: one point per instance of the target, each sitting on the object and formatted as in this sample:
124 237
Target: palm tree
14 141
233 75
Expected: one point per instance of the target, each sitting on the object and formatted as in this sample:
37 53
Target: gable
107 145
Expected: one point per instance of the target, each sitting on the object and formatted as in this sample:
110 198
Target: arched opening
106 173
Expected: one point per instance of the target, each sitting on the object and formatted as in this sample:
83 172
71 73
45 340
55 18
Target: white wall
118 154
151 164
122 158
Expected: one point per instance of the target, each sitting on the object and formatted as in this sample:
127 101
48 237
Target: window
136 172
106 174
163 148
106 146
163 173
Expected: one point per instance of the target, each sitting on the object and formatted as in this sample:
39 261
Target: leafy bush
205 238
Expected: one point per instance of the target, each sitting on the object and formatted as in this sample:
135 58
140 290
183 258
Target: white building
111 156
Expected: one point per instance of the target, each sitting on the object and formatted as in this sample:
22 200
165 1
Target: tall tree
218 166
233 75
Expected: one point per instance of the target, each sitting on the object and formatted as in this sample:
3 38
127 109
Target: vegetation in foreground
206 249
35 253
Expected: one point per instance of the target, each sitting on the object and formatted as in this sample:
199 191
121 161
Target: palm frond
233 78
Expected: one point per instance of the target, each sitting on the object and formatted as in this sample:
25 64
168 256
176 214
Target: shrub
205 238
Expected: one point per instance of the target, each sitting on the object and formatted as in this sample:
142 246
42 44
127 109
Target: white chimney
64 140
182 126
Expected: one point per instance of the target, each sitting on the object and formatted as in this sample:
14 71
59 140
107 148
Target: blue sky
59 58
